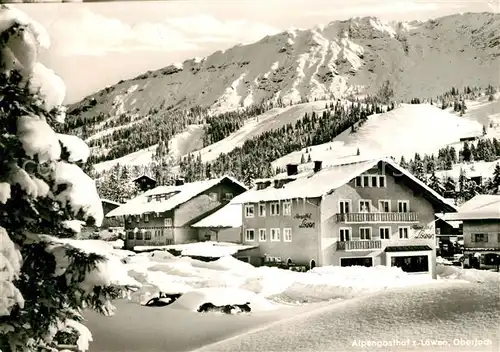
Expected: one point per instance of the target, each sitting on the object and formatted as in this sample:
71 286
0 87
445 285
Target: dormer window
137 218
146 217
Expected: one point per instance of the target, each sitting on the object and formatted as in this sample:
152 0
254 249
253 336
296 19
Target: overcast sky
95 44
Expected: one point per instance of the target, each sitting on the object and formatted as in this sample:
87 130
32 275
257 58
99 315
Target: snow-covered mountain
343 58
355 56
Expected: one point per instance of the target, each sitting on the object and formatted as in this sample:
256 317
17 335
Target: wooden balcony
376 217
358 245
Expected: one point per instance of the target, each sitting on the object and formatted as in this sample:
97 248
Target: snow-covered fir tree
494 184
45 197
116 184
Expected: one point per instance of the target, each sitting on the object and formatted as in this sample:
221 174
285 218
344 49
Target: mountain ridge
247 75
349 58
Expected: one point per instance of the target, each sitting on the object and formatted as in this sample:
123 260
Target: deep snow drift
324 309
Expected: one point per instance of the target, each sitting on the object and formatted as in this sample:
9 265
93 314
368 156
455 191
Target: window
250 235
479 237
213 195
129 219
262 235
366 181
275 235
345 234
137 218
363 261
146 217
249 211
381 181
167 222
403 206
147 235
130 235
287 208
228 196
344 206
384 206
262 209
138 236
358 182
374 181
403 232
287 235
411 264
275 209
385 233
365 233
364 206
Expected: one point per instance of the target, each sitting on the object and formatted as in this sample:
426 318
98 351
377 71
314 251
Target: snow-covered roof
141 176
481 207
317 184
104 200
209 249
140 204
228 216
453 223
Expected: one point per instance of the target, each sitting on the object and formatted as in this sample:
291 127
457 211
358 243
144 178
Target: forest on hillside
253 159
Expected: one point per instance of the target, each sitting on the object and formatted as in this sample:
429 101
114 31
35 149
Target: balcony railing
358 244
376 217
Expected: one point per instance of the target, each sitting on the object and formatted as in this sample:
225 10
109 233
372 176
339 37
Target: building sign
423 232
305 220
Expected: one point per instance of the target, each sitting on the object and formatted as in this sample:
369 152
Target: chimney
179 181
317 165
292 169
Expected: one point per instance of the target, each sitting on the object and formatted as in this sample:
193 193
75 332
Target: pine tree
466 152
450 185
44 197
494 186
309 159
403 163
435 183
302 159
418 168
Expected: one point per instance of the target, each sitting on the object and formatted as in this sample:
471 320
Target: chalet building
144 183
353 212
480 219
449 237
164 215
222 226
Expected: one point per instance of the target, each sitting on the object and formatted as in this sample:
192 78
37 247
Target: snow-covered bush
45 282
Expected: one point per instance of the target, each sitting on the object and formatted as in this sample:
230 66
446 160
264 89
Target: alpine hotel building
356 212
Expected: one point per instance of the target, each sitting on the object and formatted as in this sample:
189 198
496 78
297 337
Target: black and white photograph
249 175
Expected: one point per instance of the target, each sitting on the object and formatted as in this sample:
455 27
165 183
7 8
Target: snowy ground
324 309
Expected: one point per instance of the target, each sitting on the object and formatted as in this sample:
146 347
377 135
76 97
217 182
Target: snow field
230 281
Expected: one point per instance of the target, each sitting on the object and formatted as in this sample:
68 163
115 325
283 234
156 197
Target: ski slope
407 129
